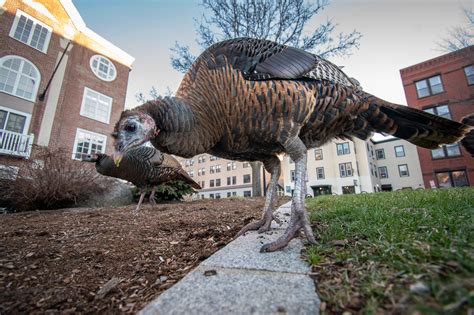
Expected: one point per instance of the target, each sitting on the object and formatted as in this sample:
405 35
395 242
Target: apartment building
219 178
347 167
444 86
61 84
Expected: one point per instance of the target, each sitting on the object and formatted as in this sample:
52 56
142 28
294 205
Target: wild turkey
250 99
145 167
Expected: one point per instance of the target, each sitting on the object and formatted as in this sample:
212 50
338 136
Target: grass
397 252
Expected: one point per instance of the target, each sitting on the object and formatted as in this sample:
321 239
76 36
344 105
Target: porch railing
17 144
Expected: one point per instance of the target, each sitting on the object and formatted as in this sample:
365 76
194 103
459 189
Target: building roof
119 54
469 51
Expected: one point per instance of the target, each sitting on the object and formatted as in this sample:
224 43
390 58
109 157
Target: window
348 190
202 159
191 173
218 168
318 154
452 179
442 111
30 31
399 151
228 194
191 162
246 178
103 68
232 180
19 77
218 182
403 170
345 169
245 164
292 176
380 154
14 121
213 158
201 171
234 193
96 106
88 142
203 184
343 148
231 166
469 72
211 183
383 172
429 86
447 150
211 196
319 172
247 193
371 169
212 169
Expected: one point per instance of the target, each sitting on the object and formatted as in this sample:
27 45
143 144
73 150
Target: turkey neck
183 130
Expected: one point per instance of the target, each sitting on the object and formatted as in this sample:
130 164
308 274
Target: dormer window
30 31
103 68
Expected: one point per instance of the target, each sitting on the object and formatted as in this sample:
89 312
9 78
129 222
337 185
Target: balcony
16 144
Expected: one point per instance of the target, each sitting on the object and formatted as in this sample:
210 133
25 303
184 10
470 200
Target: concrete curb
238 279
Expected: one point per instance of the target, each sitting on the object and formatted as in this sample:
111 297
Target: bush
167 192
50 179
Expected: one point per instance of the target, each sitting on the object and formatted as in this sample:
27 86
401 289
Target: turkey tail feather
416 126
468 141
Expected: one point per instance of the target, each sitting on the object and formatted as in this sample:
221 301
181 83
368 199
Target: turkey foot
299 219
262 225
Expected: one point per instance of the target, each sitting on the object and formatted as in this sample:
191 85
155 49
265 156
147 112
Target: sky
396 34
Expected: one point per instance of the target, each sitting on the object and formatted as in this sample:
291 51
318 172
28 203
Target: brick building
61 84
444 86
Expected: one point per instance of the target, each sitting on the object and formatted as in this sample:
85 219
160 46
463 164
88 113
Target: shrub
170 191
50 179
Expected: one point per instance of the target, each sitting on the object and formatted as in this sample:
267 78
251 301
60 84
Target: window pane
3 118
453 149
399 151
443 180
469 71
422 88
435 83
459 178
430 110
443 111
437 153
16 123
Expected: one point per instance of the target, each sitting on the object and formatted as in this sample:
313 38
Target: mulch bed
107 260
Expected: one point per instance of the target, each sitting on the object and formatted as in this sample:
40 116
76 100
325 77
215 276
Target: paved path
238 279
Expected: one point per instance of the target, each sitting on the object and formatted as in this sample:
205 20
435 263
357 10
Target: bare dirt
106 260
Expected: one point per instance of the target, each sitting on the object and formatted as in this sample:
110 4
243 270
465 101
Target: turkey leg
263 225
299 217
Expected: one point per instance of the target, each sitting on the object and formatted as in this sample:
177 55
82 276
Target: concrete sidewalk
238 279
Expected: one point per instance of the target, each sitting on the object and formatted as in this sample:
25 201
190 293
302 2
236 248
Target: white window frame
18 15
96 70
18 76
320 175
78 130
85 114
27 121
469 77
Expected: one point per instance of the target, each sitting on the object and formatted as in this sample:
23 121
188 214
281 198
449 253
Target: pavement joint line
255 270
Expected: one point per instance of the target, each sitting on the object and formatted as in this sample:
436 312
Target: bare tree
283 21
459 36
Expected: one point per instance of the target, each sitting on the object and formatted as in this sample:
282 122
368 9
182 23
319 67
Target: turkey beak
117 158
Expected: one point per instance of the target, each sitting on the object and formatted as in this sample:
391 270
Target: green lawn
397 252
